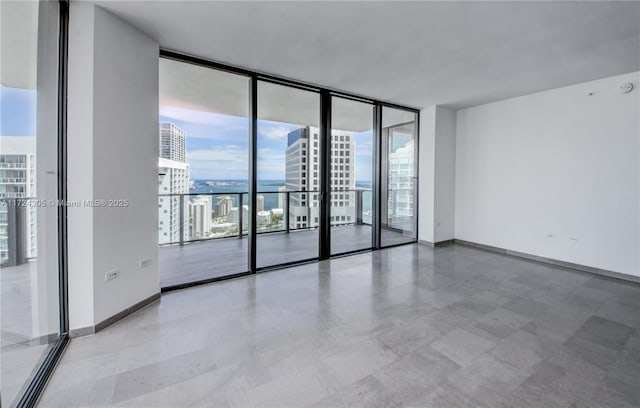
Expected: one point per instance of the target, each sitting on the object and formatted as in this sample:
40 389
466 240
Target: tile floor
409 326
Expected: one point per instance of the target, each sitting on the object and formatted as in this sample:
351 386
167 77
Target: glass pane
203 173
351 175
398 224
288 174
29 319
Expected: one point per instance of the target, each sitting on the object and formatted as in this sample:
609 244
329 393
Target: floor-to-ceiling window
351 162
30 301
288 174
398 182
203 173
257 172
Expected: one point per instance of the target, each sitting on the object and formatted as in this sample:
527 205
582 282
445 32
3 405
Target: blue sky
17 111
217 145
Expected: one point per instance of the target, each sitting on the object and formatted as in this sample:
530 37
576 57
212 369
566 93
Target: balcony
20 166
13 180
285 235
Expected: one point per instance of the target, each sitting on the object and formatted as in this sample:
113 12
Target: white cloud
221 162
231 162
273 132
364 149
271 164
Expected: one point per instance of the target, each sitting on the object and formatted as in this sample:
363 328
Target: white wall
113 153
436 174
445 162
79 169
559 163
426 175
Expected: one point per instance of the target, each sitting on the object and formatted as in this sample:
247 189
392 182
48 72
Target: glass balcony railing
192 217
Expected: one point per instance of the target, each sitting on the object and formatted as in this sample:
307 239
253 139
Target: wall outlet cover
111 275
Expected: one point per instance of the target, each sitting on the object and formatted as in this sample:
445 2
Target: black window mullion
253 173
377 176
325 175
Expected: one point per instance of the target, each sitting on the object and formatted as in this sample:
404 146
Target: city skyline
219 143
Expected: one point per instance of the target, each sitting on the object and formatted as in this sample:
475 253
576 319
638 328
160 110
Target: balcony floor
20 349
221 257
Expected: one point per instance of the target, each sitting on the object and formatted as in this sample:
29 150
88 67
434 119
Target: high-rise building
234 216
18 180
173 178
282 196
303 174
260 203
223 206
200 214
401 187
172 142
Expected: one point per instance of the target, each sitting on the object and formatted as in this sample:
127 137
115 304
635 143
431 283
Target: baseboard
436 244
445 243
551 261
85 331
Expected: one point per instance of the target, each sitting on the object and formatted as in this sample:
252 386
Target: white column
113 155
437 174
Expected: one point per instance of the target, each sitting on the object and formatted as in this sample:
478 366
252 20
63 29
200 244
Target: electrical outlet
144 263
111 275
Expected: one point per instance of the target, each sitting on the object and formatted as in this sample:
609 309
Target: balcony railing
13 165
12 180
228 217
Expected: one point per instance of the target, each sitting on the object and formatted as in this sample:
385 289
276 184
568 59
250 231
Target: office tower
282 196
260 203
200 213
223 206
173 178
303 174
18 180
172 142
401 188
234 216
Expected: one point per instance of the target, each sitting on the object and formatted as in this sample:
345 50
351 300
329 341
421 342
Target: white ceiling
193 87
18 43
412 53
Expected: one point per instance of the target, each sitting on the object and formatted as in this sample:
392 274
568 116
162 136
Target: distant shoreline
268 182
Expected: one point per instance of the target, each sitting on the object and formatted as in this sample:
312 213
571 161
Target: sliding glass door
31 324
351 161
398 182
203 173
256 172
288 174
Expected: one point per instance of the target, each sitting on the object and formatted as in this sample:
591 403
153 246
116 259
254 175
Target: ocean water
267 188
241 186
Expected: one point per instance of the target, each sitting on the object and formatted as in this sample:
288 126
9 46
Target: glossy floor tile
408 326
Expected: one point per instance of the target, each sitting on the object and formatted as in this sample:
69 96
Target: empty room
319 203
